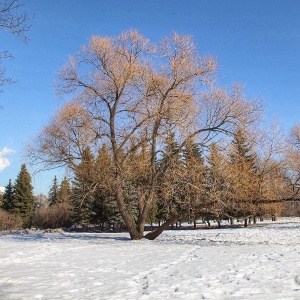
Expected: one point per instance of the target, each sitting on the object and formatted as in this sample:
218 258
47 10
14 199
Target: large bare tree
130 94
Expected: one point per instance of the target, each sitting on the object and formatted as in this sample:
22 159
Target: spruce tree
8 196
64 191
53 192
82 195
105 209
170 189
171 155
217 187
244 167
242 152
23 199
194 178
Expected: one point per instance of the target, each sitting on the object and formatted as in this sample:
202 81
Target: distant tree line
213 184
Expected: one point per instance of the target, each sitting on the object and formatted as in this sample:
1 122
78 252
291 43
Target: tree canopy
129 94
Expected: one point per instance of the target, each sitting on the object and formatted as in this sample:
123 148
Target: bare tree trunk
245 222
135 229
154 234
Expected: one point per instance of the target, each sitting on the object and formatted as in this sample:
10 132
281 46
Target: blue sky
256 42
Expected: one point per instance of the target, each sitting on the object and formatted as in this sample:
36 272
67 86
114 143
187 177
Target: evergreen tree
192 152
242 152
23 199
8 196
244 169
216 164
171 155
217 186
83 188
105 209
194 178
53 192
64 191
170 189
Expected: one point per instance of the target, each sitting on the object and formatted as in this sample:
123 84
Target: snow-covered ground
237 263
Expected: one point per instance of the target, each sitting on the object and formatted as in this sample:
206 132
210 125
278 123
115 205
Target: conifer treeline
212 185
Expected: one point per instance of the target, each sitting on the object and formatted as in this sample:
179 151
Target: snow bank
240 263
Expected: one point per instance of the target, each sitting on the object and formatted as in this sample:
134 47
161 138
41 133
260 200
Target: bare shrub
291 209
53 216
9 221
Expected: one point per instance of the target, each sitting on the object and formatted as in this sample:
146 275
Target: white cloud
4 162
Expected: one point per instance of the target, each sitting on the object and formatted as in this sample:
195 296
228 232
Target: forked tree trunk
135 229
134 233
154 234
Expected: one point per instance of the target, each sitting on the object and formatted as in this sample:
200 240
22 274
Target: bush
54 216
9 221
291 209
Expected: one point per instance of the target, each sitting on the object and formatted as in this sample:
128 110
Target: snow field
240 263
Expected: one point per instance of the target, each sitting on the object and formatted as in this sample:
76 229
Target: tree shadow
66 236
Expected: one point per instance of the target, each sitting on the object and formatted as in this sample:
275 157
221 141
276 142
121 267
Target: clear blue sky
257 43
